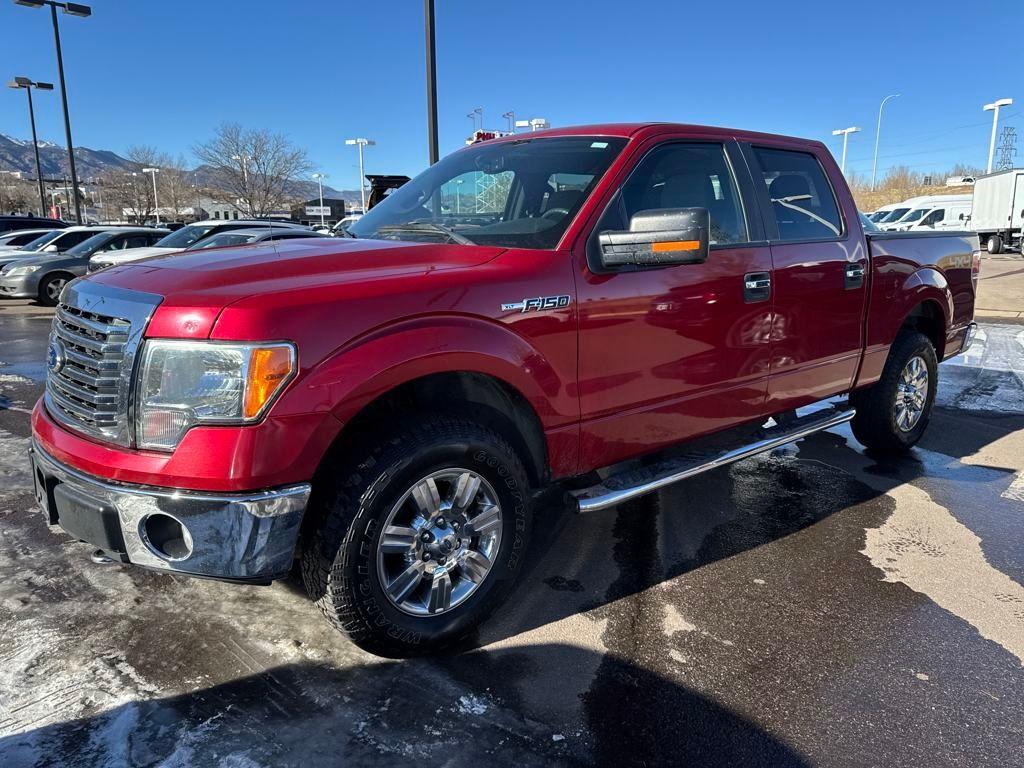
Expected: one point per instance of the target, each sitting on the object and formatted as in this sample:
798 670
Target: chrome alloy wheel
911 394
54 287
439 542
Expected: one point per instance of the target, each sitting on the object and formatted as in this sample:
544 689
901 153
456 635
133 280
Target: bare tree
18 195
253 167
130 193
175 184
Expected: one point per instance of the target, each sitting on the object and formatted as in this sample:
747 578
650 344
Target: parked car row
38 263
928 212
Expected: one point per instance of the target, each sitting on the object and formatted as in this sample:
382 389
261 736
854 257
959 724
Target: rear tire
994 244
368 563
893 414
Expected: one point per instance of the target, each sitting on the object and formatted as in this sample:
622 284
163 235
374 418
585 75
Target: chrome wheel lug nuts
426 555
455 525
440 522
426 537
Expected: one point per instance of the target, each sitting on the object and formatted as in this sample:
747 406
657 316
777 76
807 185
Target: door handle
757 286
854 275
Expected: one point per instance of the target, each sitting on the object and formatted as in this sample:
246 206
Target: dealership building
309 212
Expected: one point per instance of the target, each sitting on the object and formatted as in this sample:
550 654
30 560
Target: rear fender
889 313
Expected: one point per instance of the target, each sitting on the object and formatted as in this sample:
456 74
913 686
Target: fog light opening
166 537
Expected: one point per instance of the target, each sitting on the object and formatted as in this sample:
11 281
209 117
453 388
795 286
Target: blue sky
166 72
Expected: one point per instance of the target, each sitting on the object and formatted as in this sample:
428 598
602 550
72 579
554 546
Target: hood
42 259
131 254
218 276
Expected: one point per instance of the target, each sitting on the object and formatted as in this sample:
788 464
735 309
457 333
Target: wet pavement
814 606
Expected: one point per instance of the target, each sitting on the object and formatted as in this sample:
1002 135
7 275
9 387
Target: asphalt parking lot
815 606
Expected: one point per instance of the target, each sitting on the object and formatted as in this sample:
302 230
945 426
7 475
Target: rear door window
802 200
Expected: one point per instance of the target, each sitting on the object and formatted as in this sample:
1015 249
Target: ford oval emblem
55 356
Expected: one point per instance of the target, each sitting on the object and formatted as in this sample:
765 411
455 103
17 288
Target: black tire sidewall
43 286
916 345
398 472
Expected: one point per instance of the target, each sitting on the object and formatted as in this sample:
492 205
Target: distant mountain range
17 155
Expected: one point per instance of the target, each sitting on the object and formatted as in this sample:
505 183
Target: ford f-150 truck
598 310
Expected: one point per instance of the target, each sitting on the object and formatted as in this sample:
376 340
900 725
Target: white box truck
998 212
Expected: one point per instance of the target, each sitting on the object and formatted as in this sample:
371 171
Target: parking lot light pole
994 109
28 85
428 21
156 203
320 183
72 9
362 178
845 133
878 131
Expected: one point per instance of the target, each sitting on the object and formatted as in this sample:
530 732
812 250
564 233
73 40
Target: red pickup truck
608 308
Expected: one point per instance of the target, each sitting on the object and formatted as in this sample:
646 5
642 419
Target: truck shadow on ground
313 714
731 510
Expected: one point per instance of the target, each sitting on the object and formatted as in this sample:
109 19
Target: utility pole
428 18
1007 148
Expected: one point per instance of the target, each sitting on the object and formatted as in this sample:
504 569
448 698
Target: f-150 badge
537 304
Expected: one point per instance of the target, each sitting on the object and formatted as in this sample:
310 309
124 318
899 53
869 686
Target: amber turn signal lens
269 369
675 245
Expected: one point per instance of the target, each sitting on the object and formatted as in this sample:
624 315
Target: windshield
916 215
868 224
42 241
90 245
513 194
184 237
878 215
224 238
894 215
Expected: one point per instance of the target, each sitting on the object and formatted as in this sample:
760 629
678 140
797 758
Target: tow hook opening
165 536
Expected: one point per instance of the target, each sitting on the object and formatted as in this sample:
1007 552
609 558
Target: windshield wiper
427 226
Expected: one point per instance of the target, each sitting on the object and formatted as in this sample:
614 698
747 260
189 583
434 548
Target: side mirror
50 249
659 238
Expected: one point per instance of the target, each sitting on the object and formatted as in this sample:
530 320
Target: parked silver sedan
43 276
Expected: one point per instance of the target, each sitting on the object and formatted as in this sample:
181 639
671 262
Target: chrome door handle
854 275
757 286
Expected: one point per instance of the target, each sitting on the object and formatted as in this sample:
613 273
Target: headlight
185 383
19 271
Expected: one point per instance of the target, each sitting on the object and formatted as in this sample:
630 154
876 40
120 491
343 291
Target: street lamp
28 85
511 117
156 203
362 183
878 131
428 23
994 109
244 161
71 9
320 182
845 133
478 112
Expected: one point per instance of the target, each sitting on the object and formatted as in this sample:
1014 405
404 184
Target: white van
944 216
880 213
899 210
921 206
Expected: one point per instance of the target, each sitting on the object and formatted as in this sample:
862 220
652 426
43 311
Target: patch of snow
472 705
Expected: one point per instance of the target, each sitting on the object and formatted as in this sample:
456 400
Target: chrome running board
632 483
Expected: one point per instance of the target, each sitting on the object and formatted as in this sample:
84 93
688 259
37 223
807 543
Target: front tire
50 288
994 245
417 543
893 414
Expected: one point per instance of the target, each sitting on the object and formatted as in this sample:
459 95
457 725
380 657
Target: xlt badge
537 304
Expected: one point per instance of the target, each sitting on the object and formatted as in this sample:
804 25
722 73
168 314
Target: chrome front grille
85 386
95 336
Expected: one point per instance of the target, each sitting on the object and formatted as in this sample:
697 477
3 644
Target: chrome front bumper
247 537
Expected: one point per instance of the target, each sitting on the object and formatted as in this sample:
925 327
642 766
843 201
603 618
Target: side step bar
630 484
